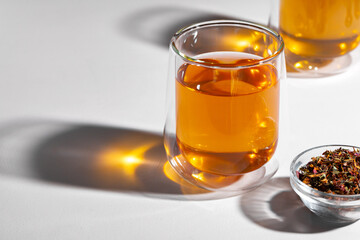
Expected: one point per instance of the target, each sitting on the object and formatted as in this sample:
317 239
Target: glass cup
321 37
222 125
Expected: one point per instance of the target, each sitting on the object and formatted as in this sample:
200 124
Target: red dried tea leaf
336 172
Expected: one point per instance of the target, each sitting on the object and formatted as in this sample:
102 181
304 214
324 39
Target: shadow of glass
277 207
158 24
98 157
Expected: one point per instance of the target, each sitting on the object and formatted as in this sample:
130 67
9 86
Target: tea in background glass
320 35
222 126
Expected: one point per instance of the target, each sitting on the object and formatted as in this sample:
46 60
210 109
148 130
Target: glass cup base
239 183
298 66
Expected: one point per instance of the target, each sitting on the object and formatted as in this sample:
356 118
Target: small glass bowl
332 207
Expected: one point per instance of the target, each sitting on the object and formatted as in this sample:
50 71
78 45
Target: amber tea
227 118
319 29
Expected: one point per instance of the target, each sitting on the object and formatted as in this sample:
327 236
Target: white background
78 77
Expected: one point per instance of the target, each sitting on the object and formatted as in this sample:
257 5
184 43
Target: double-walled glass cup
321 36
223 104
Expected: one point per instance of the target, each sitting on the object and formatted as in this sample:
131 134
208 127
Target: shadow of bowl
277 207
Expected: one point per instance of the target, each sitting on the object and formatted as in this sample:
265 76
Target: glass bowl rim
243 24
353 199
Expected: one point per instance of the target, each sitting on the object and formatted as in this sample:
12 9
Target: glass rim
244 24
308 189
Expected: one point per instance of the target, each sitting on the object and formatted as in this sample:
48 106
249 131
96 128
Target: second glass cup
223 104
321 36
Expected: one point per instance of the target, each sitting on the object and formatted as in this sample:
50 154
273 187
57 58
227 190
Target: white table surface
81 80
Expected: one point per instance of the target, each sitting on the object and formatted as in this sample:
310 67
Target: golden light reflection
203 179
295 48
253 155
298 65
186 187
198 176
118 162
254 71
243 40
263 124
131 160
342 46
242 43
214 181
354 45
307 65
